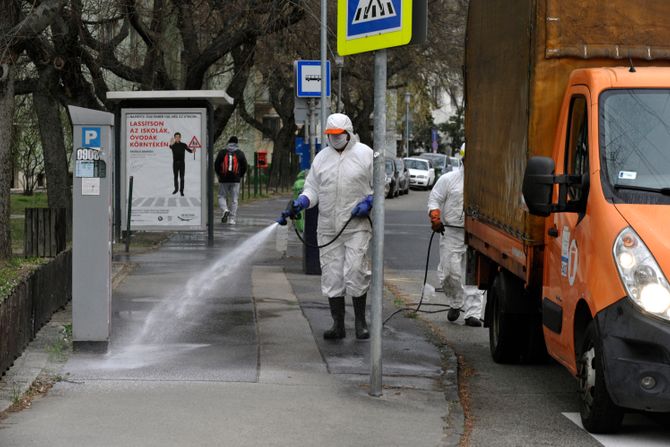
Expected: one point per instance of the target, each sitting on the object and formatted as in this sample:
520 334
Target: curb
454 427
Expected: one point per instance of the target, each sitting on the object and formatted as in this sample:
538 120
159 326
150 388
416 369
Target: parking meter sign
90 137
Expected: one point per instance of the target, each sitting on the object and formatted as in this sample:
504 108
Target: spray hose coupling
293 209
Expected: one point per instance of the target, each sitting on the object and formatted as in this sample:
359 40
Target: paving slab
241 362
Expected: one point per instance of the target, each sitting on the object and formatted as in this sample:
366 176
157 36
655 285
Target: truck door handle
553 232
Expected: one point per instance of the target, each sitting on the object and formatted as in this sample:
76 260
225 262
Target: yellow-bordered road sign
368 25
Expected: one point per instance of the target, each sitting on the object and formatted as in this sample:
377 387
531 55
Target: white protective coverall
447 196
337 182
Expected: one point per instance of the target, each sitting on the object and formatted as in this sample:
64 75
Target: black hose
425 274
334 239
423 289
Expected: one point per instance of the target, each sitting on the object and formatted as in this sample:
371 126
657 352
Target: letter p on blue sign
90 137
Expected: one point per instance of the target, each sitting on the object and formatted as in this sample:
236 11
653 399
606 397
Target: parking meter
92 161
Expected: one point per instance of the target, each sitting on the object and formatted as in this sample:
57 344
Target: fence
257 180
46 231
31 304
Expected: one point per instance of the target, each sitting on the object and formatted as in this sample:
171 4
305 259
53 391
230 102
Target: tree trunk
53 145
6 127
283 145
7 21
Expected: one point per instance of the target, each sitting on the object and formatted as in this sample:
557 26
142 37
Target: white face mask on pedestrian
338 141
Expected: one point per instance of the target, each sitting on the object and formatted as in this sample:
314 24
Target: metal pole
407 99
256 176
130 213
376 287
339 61
312 130
210 175
324 74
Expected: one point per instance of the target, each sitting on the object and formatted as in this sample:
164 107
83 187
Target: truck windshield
635 142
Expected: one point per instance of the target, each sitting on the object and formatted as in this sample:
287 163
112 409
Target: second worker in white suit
340 182
445 208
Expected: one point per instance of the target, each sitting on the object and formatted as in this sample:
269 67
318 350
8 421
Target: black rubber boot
337 311
362 332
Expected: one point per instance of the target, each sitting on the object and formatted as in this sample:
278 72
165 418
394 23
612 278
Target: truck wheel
503 330
536 351
599 414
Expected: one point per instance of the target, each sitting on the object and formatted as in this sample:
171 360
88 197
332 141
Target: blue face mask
338 141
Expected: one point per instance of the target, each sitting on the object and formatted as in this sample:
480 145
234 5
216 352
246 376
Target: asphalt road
507 405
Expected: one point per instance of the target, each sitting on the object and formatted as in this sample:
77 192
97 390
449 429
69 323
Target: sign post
379 171
93 141
374 25
325 68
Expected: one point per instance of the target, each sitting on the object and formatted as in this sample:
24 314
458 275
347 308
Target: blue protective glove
363 208
292 211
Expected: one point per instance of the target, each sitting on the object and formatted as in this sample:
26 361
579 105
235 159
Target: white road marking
637 431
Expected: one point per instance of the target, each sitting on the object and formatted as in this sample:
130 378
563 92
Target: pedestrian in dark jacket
230 166
179 150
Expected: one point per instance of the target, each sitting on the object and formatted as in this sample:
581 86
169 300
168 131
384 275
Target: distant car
392 175
421 172
403 175
456 162
439 161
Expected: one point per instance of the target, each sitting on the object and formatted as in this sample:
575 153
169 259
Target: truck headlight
641 275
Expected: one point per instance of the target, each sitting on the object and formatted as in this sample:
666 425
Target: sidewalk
243 364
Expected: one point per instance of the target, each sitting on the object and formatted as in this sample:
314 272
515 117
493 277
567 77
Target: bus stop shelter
146 124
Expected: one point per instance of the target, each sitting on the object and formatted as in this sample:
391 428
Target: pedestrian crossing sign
195 143
368 25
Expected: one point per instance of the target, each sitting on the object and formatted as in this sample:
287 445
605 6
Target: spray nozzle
282 220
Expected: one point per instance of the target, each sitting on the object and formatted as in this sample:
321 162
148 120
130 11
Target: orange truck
567 192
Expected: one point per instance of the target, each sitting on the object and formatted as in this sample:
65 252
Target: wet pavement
213 346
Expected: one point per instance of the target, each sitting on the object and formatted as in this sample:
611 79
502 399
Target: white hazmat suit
337 182
447 197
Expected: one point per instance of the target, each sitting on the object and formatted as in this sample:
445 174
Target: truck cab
604 194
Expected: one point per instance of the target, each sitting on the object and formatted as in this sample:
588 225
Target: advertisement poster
167 169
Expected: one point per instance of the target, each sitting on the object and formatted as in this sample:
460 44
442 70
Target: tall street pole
407 99
339 62
324 50
312 129
377 285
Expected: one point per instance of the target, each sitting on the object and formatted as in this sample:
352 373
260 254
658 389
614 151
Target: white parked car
440 162
421 172
455 162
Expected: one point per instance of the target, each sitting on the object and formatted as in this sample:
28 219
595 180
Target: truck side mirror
538 188
538 185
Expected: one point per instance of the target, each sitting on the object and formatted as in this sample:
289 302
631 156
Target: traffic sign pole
324 67
377 285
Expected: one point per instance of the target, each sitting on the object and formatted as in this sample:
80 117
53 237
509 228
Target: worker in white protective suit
445 208
340 182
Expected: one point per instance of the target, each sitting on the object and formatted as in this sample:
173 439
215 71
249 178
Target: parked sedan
421 172
456 162
392 175
440 162
403 175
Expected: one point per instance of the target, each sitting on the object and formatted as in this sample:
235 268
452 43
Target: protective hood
650 222
339 122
